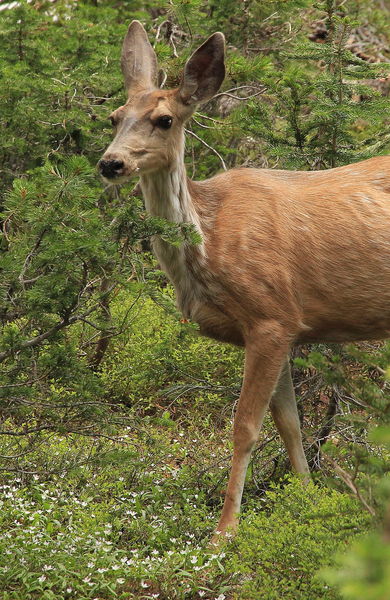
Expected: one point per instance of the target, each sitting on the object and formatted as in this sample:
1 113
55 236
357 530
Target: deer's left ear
204 71
138 60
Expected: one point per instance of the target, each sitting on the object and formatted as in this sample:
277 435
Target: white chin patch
116 180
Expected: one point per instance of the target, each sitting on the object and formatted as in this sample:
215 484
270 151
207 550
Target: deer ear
204 71
138 60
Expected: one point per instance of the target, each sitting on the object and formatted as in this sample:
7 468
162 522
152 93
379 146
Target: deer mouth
115 171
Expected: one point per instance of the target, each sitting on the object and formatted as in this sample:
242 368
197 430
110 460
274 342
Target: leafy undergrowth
280 551
136 525
128 514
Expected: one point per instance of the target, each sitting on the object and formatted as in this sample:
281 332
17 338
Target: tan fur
290 246
286 257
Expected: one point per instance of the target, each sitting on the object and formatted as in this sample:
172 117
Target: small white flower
115 567
91 565
102 570
69 590
47 567
201 593
42 578
120 580
194 559
87 579
221 597
144 585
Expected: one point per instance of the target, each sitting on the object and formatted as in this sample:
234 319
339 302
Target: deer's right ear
138 60
204 71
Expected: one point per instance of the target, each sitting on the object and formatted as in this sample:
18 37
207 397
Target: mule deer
286 257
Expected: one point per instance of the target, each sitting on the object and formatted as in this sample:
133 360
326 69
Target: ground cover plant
115 415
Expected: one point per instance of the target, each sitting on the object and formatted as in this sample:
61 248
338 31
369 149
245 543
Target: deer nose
110 168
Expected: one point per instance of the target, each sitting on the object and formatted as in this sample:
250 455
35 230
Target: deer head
149 128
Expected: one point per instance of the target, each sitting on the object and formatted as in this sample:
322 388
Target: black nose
110 168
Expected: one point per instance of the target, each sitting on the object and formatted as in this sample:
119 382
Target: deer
286 257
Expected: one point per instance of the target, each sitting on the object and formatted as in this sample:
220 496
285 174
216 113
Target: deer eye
164 122
113 121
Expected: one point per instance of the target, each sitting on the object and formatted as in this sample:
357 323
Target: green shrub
158 355
365 570
279 552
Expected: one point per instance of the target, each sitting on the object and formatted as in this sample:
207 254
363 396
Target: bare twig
198 114
201 124
158 32
28 431
31 254
208 146
230 95
348 480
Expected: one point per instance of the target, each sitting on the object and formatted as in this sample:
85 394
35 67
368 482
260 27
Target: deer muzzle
110 169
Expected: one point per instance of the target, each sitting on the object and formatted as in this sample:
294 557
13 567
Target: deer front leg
265 352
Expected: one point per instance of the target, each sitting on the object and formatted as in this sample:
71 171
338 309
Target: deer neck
167 195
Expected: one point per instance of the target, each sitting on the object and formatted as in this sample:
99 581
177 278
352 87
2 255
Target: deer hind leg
265 352
285 414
